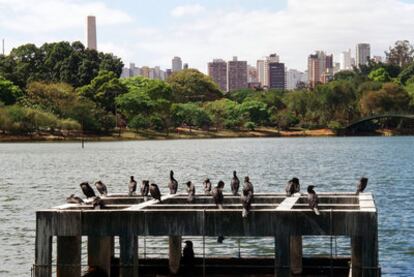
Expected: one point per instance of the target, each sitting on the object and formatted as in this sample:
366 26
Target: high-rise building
293 77
263 68
277 75
177 64
217 70
362 54
236 74
251 74
91 32
320 68
345 60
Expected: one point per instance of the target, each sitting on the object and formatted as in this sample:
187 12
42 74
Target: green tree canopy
9 93
379 75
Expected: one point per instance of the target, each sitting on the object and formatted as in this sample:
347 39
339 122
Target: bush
250 125
69 124
334 125
139 122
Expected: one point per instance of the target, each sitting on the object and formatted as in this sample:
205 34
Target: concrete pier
286 219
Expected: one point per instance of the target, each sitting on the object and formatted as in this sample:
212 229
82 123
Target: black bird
101 188
72 199
246 200
207 186
235 184
248 185
313 200
363 182
188 258
190 191
132 186
98 203
217 194
292 186
220 239
145 188
87 190
173 185
155 192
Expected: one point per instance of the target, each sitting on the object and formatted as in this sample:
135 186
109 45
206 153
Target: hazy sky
152 32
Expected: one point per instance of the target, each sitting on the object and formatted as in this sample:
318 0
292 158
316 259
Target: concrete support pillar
364 259
68 256
128 256
282 255
100 252
43 255
174 254
296 254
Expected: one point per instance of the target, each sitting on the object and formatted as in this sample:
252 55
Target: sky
152 32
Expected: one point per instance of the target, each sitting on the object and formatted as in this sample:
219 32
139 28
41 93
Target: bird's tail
245 212
316 211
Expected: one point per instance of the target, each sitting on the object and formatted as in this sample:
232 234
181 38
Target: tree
190 114
401 54
297 102
406 74
379 75
224 112
255 111
9 93
190 85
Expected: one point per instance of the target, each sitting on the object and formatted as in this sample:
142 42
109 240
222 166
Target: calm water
36 176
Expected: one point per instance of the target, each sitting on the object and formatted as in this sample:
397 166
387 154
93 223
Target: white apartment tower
177 64
345 60
91 32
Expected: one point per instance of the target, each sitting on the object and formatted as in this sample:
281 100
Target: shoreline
183 133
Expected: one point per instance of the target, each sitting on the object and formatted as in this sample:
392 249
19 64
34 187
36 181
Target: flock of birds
292 189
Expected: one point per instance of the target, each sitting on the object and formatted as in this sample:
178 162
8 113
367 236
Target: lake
34 176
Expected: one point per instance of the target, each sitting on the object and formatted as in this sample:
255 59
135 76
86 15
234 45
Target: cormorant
101 188
188 258
235 184
248 185
72 199
207 186
87 190
246 200
292 186
363 182
145 187
132 186
313 200
217 194
190 191
98 203
173 185
155 192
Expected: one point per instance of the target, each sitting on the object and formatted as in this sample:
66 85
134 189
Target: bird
313 199
132 186
235 184
217 194
248 185
72 199
293 186
363 182
98 203
188 258
173 185
87 190
145 188
207 186
155 192
246 200
101 188
190 191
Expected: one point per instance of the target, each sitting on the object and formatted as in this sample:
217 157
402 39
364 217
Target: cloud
187 10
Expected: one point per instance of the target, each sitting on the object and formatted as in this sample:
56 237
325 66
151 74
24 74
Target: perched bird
173 185
235 184
155 192
363 182
132 186
246 200
72 199
207 186
292 186
101 188
248 185
190 191
98 203
87 190
217 194
220 239
145 188
313 199
188 258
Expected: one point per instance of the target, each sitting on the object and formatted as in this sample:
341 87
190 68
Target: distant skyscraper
345 60
320 68
293 77
277 75
236 74
362 54
251 74
91 32
177 64
263 68
217 70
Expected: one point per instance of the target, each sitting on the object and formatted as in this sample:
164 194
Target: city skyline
189 31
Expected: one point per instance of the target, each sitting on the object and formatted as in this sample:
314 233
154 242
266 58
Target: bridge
362 123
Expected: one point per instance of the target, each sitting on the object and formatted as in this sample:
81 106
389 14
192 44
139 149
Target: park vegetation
62 87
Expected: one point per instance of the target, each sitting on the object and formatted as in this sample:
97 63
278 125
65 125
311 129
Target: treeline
43 100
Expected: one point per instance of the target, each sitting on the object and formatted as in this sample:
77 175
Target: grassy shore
180 133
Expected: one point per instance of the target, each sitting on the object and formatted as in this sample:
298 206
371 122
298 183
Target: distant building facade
144 71
345 60
263 68
293 78
217 70
277 75
320 68
176 64
362 54
91 40
236 74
